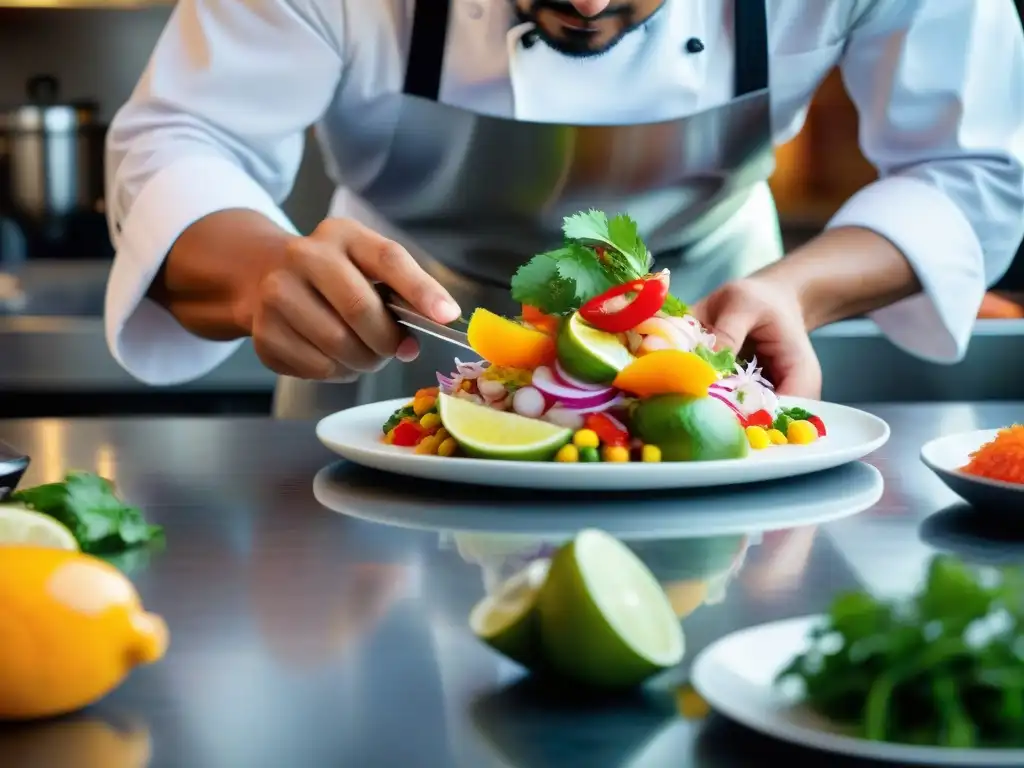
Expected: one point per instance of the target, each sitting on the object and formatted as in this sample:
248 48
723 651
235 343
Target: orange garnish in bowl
1002 458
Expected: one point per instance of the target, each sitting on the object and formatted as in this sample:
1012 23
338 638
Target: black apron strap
750 24
426 49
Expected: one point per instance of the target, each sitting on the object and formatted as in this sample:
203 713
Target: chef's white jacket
218 119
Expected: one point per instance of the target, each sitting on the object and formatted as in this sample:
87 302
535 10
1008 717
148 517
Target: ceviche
604 364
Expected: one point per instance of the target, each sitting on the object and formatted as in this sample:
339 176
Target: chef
460 133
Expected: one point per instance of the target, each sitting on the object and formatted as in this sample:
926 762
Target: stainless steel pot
55 155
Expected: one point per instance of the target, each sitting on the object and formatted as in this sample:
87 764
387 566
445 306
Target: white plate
852 434
736 674
945 455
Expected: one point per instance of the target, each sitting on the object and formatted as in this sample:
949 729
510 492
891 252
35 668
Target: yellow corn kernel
586 438
427 446
389 438
430 421
422 405
568 454
691 704
447 446
616 454
758 438
441 435
801 432
651 454
777 437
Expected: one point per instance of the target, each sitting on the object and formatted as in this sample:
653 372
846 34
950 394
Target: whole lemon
71 628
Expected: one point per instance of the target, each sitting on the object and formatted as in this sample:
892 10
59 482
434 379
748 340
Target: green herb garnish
788 415
797 414
405 412
559 282
88 506
941 668
723 361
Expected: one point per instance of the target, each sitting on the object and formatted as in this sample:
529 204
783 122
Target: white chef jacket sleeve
939 85
216 122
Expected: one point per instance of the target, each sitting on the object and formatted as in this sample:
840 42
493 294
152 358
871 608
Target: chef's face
585 27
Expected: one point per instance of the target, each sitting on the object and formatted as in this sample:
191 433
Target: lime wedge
604 619
590 354
22 526
507 619
489 434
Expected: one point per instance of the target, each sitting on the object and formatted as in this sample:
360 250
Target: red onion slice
732 406
571 381
616 401
571 397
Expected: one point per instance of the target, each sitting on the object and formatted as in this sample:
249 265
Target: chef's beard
582 44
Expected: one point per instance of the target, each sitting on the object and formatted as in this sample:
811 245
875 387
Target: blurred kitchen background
83 57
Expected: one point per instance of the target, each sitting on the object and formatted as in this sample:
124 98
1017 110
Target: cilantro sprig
559 282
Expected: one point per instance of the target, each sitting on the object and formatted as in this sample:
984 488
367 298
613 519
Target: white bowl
946 455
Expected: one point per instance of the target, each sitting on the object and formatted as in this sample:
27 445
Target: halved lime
590 354
489 434
21 526
507 619
604 619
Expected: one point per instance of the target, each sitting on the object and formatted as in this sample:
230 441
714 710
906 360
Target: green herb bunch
89 507
945 667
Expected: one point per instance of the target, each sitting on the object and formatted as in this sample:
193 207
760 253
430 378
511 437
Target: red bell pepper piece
407 434
613 311
818 425
608 432
759 419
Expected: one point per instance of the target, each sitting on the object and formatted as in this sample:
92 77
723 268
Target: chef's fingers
408 350
284 351
309 314
388 262
352 297
799 373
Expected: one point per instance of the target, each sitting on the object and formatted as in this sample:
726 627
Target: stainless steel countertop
301 636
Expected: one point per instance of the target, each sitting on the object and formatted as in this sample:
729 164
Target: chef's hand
763 316
318 316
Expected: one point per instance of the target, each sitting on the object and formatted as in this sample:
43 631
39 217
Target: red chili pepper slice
614 312
608 432
760 419
407 434
818 425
